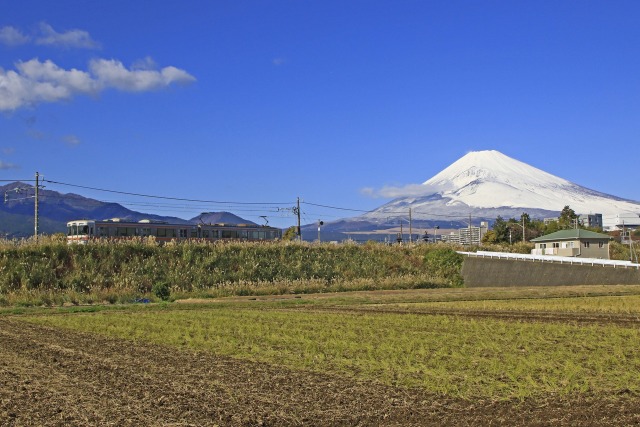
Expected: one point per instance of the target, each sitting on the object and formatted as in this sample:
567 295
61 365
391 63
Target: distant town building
467 235
573 243
549 220
626 220
591 220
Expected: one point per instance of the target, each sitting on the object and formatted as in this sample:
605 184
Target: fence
553 259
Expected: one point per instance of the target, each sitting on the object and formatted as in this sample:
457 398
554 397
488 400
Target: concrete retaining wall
479 272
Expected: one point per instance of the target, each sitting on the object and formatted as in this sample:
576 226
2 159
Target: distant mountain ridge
56 209
481 186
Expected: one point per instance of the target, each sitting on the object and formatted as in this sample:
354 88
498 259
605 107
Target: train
84 231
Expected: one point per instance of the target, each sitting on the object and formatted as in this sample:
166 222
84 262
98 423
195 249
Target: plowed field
55 377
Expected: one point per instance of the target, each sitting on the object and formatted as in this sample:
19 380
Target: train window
194 233
183 233
103 231
243 234
229 234
205 234
215 234
162 232
171 232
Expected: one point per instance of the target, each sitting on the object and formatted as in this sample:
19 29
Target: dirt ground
52 377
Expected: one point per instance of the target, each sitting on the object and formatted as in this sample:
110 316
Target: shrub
162 290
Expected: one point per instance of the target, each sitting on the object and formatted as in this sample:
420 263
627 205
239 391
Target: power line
386 212
335 207
166 197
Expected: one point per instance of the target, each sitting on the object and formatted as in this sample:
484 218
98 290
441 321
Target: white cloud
72 80
11 36
112 73
71 38
392 192
71 140
5 165
35 82
278 61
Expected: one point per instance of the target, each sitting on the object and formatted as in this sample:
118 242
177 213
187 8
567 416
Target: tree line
512 229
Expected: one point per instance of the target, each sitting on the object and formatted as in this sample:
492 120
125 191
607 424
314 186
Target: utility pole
35 219
627 235
410 226
320 223
298 213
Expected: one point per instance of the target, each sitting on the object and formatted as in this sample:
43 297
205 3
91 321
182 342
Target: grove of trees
511 230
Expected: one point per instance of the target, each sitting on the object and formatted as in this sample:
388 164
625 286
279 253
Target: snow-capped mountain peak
488 183
491 165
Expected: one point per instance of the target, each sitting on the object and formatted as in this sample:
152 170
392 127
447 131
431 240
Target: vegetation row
51 272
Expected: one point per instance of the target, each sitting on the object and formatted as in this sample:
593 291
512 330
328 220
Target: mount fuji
487 184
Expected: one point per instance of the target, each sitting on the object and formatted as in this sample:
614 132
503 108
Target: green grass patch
447 355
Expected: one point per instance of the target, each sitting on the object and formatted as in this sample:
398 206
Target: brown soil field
54 377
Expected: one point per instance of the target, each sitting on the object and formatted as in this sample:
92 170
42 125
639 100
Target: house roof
572 234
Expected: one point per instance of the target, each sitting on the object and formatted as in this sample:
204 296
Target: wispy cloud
35 82
278 61
392 192
6 166
70 39
36 134
71 140
7 150
11 36
45 35
111 73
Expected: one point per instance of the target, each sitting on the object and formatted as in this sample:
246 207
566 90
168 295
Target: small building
591 220
468 235
626 220
574 242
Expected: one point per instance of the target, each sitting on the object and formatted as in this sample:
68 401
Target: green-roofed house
574 242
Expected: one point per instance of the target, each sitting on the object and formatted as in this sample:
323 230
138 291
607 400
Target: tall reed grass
50 271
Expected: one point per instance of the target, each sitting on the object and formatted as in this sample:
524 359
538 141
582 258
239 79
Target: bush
162 290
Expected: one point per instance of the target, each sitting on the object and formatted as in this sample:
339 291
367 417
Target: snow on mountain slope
490 182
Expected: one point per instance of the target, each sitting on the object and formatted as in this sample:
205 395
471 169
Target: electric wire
387 212
165 197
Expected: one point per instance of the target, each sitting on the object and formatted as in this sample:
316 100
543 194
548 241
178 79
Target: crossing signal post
320 223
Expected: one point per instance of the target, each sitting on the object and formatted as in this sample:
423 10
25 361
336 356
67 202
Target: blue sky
267 101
